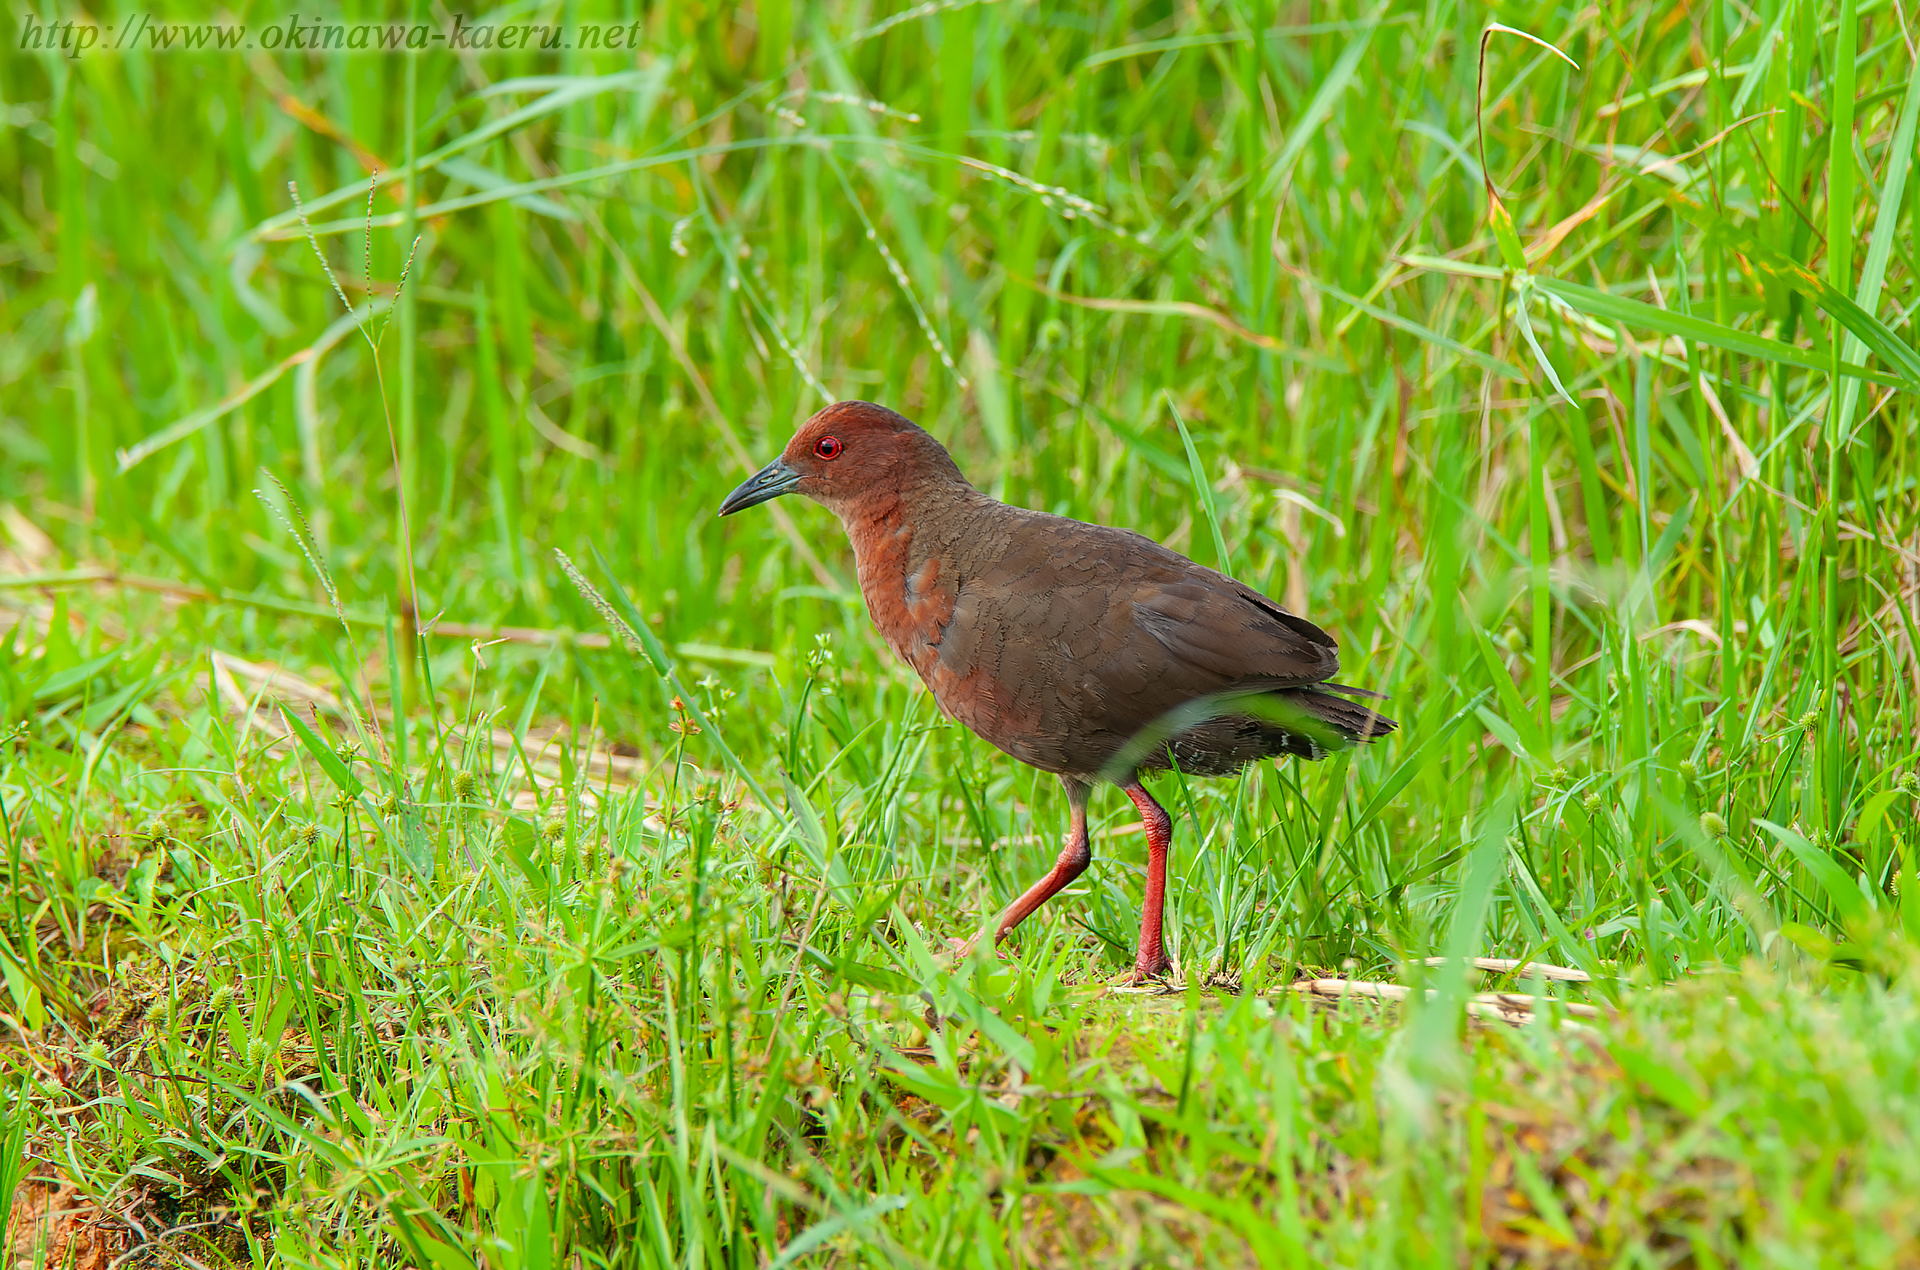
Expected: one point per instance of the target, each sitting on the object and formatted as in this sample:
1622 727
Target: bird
1090 652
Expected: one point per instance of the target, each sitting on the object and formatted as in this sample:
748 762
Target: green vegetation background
358 910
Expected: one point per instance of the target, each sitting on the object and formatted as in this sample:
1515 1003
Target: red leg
1075 856
1152 962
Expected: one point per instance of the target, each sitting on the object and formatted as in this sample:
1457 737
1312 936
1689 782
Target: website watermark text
295 34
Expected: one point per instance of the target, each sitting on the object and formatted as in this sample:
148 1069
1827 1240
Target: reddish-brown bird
1088 652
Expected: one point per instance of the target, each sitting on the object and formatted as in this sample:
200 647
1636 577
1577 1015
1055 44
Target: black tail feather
1352 720
1348 690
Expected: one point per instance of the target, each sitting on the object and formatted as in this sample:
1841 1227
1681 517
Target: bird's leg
1152 962
1075 856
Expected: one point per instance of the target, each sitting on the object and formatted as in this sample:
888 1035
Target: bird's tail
1351 721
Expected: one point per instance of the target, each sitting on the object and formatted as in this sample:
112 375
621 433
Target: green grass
436 948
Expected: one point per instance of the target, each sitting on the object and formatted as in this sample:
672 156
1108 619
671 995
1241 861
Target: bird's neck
883 528
902 547
899 526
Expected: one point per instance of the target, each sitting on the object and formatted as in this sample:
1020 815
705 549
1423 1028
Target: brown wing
1209 622
1066 639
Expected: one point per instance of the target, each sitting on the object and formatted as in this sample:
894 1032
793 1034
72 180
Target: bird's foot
1147 971
958 950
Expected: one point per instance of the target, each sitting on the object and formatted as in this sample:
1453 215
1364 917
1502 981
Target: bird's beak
769 483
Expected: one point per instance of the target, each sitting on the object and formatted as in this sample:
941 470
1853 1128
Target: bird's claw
958 950
1158 973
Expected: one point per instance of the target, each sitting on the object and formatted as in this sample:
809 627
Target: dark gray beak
769 483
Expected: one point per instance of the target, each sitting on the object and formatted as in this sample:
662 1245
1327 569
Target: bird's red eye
828 447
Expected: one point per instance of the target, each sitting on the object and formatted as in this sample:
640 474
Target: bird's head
848 454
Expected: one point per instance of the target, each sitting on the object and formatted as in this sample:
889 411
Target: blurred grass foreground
370 902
